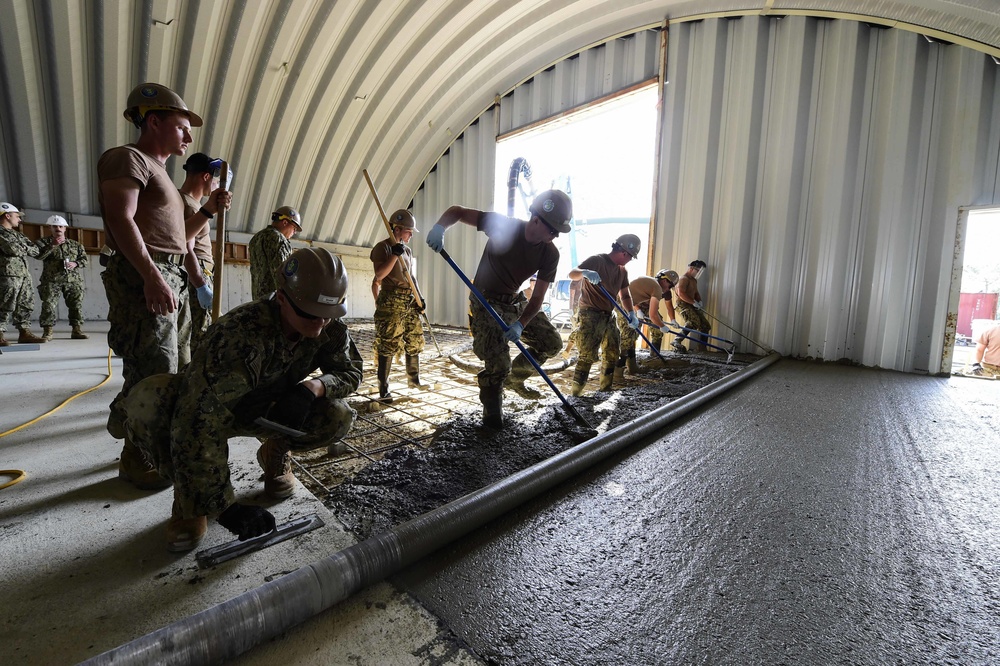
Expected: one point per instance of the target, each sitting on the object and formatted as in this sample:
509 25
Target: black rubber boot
384 363
413 372
492 398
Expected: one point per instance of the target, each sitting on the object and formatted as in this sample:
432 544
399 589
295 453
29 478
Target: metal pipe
231 628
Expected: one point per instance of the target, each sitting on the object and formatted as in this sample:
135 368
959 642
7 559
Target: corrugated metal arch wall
818 166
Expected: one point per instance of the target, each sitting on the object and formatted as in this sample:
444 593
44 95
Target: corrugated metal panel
818 166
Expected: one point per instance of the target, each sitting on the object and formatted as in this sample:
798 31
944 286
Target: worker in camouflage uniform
596 328
647 293
397 317
17 297
202 178
147 236
62 260
689 307
269 248
254 362
515 250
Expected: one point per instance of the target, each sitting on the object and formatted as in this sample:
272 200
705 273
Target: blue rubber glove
435 238
513 332
591 276
633 320
205 295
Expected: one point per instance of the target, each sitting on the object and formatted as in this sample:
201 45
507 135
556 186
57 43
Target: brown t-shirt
395 279
509 259
613 279
159 214
991 338
203 241
642 289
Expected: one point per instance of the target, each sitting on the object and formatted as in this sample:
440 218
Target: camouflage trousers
397 324
539 337
194 327
71 290
187 438
693 318
17 300
596 331
147 343
629 336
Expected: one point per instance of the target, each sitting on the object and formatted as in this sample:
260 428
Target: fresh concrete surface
84 563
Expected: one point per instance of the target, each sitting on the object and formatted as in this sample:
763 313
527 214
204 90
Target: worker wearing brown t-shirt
515 250
595 324
145 225
202 177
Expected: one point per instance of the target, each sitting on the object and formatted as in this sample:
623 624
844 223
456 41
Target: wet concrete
816 514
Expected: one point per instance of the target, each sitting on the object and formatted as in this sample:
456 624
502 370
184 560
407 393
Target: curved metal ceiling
301 95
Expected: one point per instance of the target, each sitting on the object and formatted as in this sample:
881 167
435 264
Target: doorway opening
979 296
603 158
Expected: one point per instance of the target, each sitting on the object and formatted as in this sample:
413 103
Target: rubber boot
47 333
3 340
413 372
491 396
631 363
384 396
78 334
520 370
619 376
276 461
580 378
678 346
607 377
28 336
135 468
184 534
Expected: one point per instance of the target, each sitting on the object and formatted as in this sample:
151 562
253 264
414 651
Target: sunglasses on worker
299 311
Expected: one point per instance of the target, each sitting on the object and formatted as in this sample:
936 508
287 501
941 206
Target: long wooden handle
378 203
220 250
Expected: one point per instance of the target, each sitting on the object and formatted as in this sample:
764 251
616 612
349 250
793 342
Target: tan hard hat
287 213
554 208
403 218
147 97
667 274
630 243
316 282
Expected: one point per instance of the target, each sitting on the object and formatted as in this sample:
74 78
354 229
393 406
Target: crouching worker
254 362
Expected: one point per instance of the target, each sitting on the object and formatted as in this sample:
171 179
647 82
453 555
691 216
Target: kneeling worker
254 362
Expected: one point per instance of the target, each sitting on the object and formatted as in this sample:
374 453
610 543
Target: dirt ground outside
428 447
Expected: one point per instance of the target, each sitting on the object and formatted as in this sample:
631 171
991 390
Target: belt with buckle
506 299
164 258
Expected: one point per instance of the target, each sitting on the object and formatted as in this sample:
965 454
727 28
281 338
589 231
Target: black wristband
205 213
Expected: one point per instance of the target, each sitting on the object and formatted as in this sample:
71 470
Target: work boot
28 336
47 333
3 340
276 461
619 376
631 363
491 396
384 396
520 370
184 534
78 334
678 346
607 376
580 378
413 372
135 468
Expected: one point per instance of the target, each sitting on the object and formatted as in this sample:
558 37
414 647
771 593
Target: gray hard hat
316 282
554 208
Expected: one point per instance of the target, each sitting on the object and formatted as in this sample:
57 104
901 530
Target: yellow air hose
19 474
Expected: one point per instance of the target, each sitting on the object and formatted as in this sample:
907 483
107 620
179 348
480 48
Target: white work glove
698 305
513 332
435 238
673 323
205 295
633 320
590 276
665 329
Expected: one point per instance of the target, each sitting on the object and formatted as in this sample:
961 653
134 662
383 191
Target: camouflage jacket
243 365
268 248
14 248
53 257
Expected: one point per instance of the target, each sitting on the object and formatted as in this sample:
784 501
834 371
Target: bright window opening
979 299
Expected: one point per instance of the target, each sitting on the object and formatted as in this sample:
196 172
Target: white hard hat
56 221
8 208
